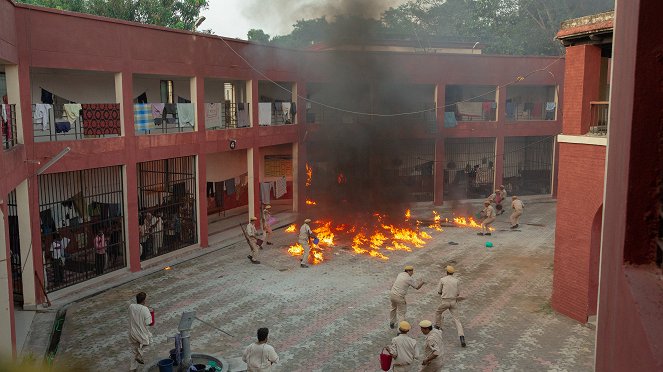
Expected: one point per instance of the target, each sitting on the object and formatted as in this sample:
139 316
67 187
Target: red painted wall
581 86
580 195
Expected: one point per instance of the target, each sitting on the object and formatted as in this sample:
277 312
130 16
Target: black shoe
487 234
462 341
269 243
250 257
139 360
515 227
480 234
512 227
255 262
391 325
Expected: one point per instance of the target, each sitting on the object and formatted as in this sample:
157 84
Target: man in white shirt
403 348
259 356
449 291
139 335
398 292
252 233
305 233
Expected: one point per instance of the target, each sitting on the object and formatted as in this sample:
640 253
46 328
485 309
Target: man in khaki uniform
517 206
432 348
305 233
489 217
266 227
252 232
398 292
403 348
449 292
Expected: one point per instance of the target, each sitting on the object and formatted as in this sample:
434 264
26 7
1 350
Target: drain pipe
185 332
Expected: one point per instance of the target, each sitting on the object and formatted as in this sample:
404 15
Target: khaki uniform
404 350
267 228
517 206
253 240
433 345
259 357
397 296
489 214
448 290
304 234
139 335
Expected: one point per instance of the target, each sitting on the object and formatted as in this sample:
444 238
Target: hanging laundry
169 113
42 115
46 96
183 100
293 108
62 126
100 119
278 106
550 106
143 117
265 192
242 116
281 187
72 111
470 109
510 108
264 113
142 98
186 114
157 113
230 186
213 116
286 112
449 119
5 112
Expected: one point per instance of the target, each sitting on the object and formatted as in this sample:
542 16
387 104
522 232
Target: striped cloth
143 117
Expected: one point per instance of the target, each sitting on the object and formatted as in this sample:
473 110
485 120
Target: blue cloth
62 127
509 110
143 117
230 186
449 119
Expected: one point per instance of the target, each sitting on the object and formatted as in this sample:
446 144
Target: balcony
598 118
227 115
276 113
75 121
8 122
419 114
163 118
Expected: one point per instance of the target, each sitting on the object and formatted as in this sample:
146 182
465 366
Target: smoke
278 16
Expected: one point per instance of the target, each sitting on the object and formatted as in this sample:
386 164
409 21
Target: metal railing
598 118
167 120
421 114
15 247
8 122
227 115
93 121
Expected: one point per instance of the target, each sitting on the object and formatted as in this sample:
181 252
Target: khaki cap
404 326
450 269
268 206
253 219
425 324
308 220
409 268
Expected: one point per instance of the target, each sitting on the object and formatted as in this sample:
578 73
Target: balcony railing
598 118
8 123
276 113
75 121
227 115
420 114
160 118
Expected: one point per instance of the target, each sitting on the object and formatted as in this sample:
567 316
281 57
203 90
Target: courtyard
334 316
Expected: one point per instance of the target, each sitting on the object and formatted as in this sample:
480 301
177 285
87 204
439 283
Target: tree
258 36
181 14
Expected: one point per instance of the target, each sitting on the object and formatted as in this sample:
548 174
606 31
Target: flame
341 179
437 219
316 253
310 202
309 175
469 222
325 234
292 228
407 215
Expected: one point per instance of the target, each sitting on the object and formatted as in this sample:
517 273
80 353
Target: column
198 97
253 165
25 227
499 160
7 325
581 86
438 172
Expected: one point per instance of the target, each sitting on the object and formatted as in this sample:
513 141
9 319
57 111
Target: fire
469 222
309 175
310 202
298 250
407 215
325 234
437 219
341 178
291 228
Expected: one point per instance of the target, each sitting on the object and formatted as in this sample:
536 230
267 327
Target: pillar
25 208
198 97
253 165
7 325
438 181
582 73
499 161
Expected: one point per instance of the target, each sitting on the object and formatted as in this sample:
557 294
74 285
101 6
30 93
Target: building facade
135 136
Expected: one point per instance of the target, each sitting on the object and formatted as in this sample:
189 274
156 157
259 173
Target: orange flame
292 228
310 202
407 215
436 222
469 222
309 175
341 178
316 252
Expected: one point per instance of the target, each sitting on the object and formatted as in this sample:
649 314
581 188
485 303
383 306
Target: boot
462 341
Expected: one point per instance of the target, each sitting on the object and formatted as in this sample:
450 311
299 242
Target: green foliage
181 14
258 36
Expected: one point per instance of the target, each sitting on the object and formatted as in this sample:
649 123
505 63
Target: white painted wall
152 87
77 86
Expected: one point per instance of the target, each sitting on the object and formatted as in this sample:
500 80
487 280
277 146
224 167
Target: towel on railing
264 113
285 106
186 114
100 119
473 109
41 115
281 187
143 117
449 119
157 113
213 118
72 111
62 126
242 117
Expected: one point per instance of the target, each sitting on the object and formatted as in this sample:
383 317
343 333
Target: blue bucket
316 241
165 365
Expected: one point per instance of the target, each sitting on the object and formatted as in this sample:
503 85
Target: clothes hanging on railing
285 106
169 113
281 187
157 113
142 98
100 119
62 126
264 113
265 192
213 115
242 116
186 114
72 111
5 112
42 116
449 119
143 117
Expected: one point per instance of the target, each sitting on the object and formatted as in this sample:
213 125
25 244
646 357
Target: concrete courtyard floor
334 316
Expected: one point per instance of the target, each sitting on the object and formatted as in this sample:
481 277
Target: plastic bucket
165 365
173 356
197 368
152 314
316 241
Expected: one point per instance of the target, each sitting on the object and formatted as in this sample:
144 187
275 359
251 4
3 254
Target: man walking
139 335
517 206
259 356
252 233
403 348
432 348
266 227
488 214
305 233
403 281
449 292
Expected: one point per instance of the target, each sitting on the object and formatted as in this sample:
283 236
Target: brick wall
580 195
581 86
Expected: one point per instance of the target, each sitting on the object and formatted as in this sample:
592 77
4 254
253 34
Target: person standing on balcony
266 223
517 206
305 234
403 348
140 336
449 292
488 214
100 252
403 281
252 234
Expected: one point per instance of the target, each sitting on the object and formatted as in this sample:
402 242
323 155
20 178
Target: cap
450 269
514 197
404 326
409 268
425 324
501 186
253 219
307 220
268 206
486 202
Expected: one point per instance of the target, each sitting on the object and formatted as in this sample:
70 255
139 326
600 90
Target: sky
234 18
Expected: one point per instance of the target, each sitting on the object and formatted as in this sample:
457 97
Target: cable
515 81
